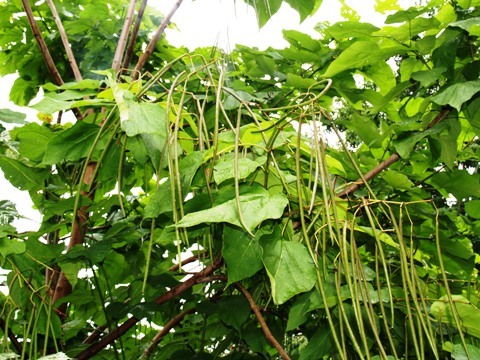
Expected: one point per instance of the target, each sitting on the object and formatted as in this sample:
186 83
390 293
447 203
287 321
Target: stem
133 36
261 320
122 41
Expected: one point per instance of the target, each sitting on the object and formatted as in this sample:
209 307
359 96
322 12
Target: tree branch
268 334
442 115
127 325
151 46
122 41
133 36
66 44
166 329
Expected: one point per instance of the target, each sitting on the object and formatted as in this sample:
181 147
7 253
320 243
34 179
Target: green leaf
160 202
459 353
145 118
459 183
471 25
405 15
320 345
80 85
366 130
233 310
12 117
469 315
33 140
22 92
225 169
256 206
289 266
304 7
397 180
356 56
242 253
428 77
264 9
473 209
21 176
11 246
457 94
350 29
299 82
71 144
54 102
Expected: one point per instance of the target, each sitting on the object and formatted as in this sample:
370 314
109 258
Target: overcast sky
223 23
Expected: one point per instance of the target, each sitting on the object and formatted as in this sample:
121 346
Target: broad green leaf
22 92
473 209
21 176
54 102
33 139
145 118
160 202
459 353
12 117
188 168
242 253
233 310
405 15
428 77
71 269
320 345
471 25
397 180
225 169
255 206
382 75
468 313
71 144
366 130
299 82
80 85
265 9
457 94
350 29
300 40
305 7
356 56
459 183
383 6
289 266
11 246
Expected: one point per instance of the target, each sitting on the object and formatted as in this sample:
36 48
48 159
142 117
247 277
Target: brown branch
166 329
52 69
66 44
127 325
63 287
11 336
151 46
133 36
442 115
187 261
122 41
268 334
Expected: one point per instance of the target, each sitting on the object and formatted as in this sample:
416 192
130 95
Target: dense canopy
313 202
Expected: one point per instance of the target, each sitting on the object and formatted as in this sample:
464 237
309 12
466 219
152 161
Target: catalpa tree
197 207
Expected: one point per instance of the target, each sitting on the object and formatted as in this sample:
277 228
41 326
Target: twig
187 261
268 334
166 329
122 41
442 115
66 44
122 329
151 46
133 36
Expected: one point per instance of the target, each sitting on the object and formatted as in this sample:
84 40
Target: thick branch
151 46
166 329
127 325
133 36
66 44
63 287
268 334
52 69
442 115
122 41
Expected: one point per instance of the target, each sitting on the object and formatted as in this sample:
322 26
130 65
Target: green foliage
230 157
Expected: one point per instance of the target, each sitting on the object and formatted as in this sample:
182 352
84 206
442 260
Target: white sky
223 23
